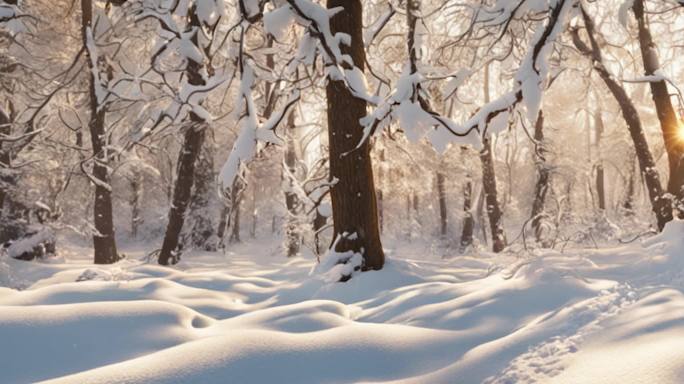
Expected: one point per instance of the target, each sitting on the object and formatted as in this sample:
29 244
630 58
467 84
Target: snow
277 21
253 316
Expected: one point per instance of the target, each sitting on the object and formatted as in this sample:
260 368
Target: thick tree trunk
441 196
669 123
104 241
661 205
353 196
201 229
490 196
541 188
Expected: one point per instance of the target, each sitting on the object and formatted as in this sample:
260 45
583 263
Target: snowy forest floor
612 315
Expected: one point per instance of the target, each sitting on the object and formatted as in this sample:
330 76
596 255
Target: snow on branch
530 76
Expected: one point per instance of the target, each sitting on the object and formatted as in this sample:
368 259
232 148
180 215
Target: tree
660 205
543 175
491 201
104 241
197 67
354 203
669 122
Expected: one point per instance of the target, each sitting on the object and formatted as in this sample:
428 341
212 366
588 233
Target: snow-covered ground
612 315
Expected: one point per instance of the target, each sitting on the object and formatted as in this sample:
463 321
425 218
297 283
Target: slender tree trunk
5 160
441 195
353 196
104 241
223 224
661 205
381 195
468 221
628 204
541 188
600 179
669 123
235 221
252 231
195 132
489 185
490 196
136 183
292 238
192 145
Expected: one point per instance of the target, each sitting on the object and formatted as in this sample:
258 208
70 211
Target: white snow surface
612 315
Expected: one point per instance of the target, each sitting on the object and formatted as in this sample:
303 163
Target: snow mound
248 317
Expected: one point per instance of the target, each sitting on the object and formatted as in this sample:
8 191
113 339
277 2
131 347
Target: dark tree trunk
353 196
195 132
490 196
192 145
235 220
541 188
104 240
661 205
468 222
292 238
223 223
381 195
667 116
136 183
5 160
201 229
441 195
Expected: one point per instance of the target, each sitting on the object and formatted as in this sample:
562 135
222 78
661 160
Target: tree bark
292 238
200 229
353 196
104 241
669 123
381 194
468 221
223 223
492 203
441 195
661 205
235 212
192 144
5 160
541 188
136 183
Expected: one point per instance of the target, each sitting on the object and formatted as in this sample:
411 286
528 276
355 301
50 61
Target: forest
342 191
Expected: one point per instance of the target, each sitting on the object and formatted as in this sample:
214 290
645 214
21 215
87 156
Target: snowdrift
250 316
